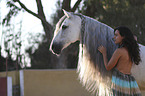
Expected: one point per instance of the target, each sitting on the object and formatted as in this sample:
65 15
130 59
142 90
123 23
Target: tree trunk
48 29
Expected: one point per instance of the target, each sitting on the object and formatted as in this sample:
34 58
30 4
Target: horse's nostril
56 48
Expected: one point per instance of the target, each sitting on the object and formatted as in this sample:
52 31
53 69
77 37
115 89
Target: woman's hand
102 49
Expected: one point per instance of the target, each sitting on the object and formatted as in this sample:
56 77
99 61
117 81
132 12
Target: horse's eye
64 27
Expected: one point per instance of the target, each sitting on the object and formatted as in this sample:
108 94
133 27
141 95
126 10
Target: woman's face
117 37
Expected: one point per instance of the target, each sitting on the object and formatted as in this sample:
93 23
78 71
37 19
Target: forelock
60 21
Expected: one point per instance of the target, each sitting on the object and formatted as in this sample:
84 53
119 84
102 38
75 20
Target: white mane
91 69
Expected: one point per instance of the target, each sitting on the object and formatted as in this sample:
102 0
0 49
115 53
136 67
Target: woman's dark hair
130 42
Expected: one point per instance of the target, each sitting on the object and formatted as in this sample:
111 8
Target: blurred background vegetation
114 13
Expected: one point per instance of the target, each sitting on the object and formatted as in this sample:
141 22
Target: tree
42 57
12 47
40 15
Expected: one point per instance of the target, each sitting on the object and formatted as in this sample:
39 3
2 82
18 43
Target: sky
30 24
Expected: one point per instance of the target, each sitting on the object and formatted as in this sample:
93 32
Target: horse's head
67 31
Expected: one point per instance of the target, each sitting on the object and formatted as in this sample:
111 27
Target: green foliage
12 41
11 45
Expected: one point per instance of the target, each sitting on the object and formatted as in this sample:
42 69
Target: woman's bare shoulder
121 50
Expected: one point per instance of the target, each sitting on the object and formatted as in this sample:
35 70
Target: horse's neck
106 30
104 34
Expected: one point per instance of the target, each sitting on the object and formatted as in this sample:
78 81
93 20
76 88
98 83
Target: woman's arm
114 59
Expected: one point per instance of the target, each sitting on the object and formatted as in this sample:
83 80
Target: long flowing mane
92 72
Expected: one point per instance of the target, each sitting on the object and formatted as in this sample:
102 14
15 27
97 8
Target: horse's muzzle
56 48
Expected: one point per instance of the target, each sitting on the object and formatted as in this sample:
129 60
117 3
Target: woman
123 83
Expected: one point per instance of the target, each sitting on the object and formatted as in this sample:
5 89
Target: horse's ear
68 14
